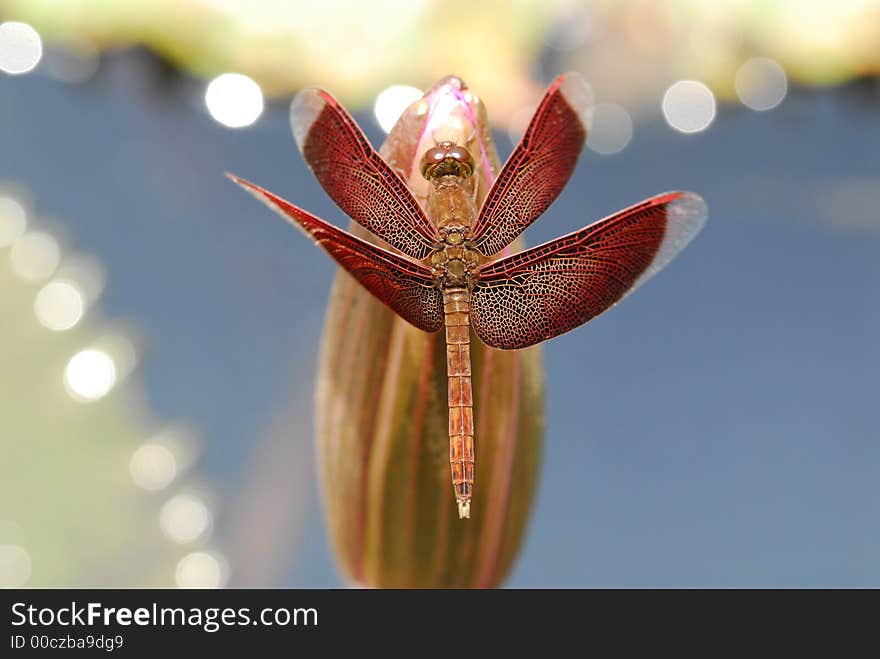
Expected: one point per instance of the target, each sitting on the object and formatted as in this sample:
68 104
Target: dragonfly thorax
454 260
451 208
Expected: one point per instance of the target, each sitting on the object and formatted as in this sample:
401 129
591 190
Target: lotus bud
381 421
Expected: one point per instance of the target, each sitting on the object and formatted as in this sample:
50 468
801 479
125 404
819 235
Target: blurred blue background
716 429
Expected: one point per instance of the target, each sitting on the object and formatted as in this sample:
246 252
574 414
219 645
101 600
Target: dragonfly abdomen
456 307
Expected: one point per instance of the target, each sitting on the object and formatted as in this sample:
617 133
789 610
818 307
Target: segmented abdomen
456 303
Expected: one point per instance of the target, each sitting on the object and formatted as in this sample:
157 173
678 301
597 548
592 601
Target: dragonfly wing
550 289
356 177
539 166
402 284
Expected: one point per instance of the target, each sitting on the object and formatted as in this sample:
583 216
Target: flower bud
382 429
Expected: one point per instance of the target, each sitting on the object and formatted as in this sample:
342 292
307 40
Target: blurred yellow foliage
630 49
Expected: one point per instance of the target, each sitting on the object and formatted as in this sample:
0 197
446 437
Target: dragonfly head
447 159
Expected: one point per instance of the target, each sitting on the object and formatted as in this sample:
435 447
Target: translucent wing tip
689 213
686 214
304 109
578 93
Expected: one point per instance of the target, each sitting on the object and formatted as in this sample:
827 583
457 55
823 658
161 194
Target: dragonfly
442 264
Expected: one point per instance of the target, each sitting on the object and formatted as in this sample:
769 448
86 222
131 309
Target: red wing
404 285
550 289
356 177
539 167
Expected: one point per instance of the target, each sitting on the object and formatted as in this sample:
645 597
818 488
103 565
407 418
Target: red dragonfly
442 268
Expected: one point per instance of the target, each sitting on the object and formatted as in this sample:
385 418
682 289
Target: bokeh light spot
201 569
86 273
34 256
20 48
90 375
13 221
612 129
184 518
519 122
761 83
152 466
234 100
391 102
689 106
59 305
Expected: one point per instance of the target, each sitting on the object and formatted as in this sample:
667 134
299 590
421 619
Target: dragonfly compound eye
447 160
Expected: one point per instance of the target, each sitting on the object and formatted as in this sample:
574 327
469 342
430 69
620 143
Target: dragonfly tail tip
464 509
